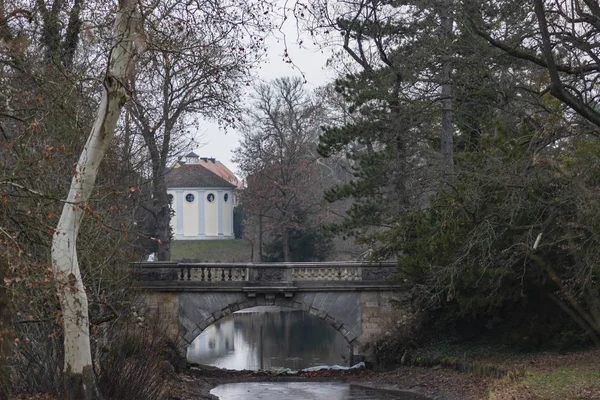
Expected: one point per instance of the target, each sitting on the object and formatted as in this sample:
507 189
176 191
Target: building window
225 197
189 198
210 197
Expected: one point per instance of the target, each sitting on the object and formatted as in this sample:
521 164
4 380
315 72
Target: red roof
217 168
194 175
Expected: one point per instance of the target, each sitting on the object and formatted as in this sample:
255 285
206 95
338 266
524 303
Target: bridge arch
197 315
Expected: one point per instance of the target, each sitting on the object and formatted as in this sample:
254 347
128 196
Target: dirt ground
534 376
433 382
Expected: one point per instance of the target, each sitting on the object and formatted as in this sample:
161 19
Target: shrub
136 363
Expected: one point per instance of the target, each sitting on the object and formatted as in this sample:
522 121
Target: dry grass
553 377
548 376
135 366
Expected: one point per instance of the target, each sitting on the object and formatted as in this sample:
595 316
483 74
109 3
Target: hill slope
236 250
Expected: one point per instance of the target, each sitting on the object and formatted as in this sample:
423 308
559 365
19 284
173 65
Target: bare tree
196 65
278 156
558 37
78 380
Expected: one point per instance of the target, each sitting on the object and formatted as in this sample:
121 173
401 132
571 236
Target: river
306 391
269 337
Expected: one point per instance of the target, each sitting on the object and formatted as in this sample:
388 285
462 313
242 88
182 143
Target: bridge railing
215 273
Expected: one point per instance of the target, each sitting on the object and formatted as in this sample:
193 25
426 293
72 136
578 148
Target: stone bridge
355 298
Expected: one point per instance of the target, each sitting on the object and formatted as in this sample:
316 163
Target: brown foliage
134 366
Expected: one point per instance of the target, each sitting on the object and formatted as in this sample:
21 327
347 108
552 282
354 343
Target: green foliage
472 254
239 214
375 146
506 240
558 384
368 190
393 351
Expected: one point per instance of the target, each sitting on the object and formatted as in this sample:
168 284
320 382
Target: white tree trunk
79 382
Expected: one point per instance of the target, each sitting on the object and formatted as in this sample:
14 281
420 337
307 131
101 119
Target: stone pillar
380 317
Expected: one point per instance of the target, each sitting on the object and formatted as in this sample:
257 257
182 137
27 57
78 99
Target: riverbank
549 376
436 383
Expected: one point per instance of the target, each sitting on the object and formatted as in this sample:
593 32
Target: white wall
186 219
210 213
190 214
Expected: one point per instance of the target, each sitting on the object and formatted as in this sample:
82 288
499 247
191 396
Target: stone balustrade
211 274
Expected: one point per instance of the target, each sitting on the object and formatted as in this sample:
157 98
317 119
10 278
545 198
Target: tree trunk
78 379
163 217
127 145
474 137
260 238
286 245
446 136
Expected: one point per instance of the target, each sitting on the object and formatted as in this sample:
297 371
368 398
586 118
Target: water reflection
305 391
269 337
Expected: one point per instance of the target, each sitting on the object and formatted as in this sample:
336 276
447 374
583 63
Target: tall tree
494 242
400 91
46 112
79 382
278 158
557 37
60 42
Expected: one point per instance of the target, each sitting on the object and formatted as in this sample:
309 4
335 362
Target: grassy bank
565 383
236 250
552 376
487 369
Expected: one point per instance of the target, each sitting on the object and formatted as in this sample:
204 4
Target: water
306 391
269 337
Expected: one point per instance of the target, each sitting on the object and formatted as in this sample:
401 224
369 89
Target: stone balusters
351 274
214 273
210 274
319 273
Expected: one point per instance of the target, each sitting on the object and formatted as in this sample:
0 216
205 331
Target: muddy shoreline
434 383
553 376
548 375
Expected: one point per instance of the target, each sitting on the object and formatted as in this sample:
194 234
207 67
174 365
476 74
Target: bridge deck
263 277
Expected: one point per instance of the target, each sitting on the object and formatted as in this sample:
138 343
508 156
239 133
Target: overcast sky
310 62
